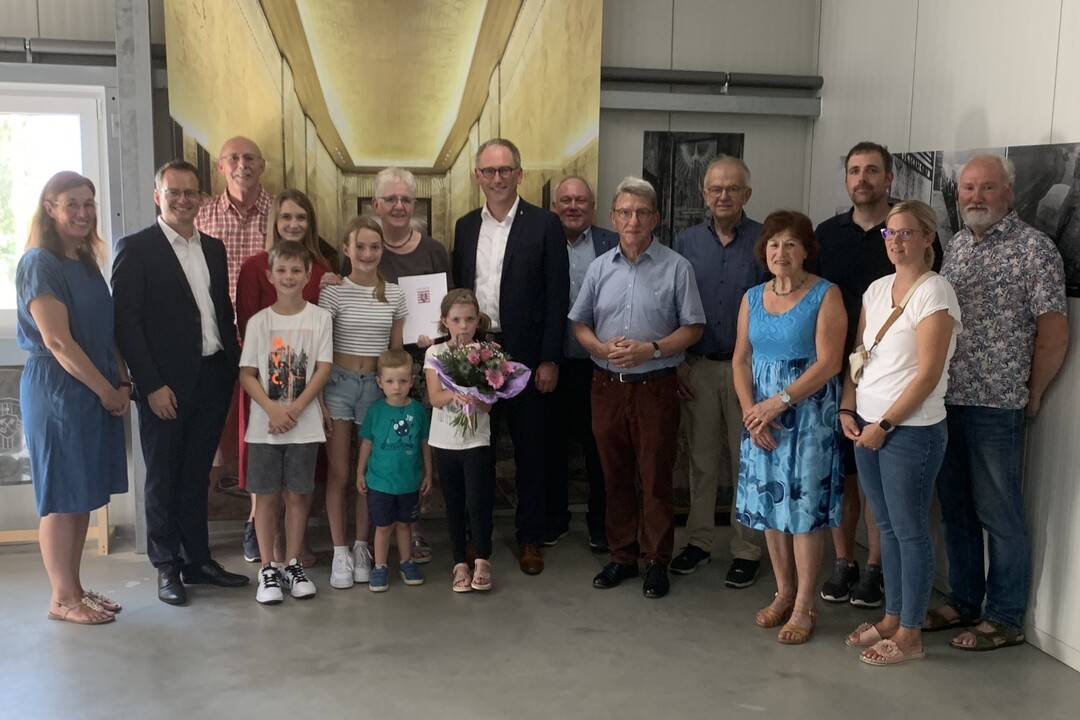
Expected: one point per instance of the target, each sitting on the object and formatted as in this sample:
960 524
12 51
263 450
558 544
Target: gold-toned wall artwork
335 90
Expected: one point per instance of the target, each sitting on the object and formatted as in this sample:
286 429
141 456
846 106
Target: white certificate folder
423 295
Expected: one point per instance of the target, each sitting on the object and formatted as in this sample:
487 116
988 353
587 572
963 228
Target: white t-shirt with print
894 362
444 435
284 350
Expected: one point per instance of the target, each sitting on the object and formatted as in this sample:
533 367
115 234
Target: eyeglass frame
503 171
393 200
904 234
625 214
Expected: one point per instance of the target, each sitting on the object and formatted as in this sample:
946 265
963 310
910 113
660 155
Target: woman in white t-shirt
896 418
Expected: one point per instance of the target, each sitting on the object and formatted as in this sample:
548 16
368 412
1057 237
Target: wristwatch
656 351
785 398
885 425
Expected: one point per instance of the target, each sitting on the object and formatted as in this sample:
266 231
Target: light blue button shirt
581 253
647 300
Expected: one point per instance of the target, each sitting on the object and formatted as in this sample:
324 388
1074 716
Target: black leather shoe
656 581
613 574
169 588
211 573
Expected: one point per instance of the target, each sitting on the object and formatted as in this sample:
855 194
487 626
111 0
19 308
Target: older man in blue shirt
637 312
721 249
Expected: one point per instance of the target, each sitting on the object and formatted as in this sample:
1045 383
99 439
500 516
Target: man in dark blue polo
571 421
721 249
637 312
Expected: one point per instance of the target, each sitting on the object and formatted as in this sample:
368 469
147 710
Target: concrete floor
537 647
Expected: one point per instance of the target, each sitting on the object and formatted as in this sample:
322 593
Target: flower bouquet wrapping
482 370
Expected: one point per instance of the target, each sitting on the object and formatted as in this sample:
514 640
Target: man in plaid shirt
237 217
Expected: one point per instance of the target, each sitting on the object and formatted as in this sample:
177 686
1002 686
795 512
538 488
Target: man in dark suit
175 328
570 415
513 255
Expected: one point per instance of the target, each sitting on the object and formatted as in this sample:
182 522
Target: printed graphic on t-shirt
402 435
286 369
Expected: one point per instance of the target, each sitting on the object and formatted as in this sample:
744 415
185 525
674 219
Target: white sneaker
341 571
296 580
269 591
362 562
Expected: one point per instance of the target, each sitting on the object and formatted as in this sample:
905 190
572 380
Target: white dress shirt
190 254
490 251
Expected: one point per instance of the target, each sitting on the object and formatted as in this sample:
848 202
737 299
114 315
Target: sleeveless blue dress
798 487
76 448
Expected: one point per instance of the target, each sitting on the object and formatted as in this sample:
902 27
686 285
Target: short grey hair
501 142
631 185
394 174
728 160
583 181
1007 166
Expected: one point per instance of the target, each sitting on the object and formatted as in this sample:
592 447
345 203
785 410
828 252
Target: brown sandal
63 612
799 635
106 603
766 617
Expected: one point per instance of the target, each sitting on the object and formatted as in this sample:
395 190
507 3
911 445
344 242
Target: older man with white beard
1010 282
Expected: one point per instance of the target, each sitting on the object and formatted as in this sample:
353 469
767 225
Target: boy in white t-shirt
288 351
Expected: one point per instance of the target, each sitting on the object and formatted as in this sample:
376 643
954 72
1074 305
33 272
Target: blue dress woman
787 356
74 388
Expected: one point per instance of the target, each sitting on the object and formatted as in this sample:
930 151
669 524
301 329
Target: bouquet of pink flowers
482 370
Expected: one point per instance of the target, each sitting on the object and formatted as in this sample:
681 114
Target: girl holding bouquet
464 457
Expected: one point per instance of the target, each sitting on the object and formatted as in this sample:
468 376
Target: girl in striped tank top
369 315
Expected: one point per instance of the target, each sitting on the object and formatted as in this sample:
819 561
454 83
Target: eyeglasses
177 194
235 158
393 200
904 235
504 172
73 207
625 214
717 190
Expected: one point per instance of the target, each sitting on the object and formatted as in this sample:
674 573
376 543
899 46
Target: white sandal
462 579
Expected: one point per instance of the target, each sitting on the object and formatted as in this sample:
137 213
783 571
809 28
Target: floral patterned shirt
1004 282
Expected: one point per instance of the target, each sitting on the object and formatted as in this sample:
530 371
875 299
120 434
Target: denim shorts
272 468
386 508
348 394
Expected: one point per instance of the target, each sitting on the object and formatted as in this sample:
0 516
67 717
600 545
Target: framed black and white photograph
1046 195
675 163
913 176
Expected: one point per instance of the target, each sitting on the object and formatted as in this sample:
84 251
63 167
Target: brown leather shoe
531 559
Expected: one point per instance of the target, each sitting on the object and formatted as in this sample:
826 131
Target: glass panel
33 147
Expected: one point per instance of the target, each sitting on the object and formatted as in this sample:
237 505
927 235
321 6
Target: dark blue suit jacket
158 327
534 292
603 239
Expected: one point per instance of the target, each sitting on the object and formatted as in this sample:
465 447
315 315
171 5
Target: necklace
777 293
408 239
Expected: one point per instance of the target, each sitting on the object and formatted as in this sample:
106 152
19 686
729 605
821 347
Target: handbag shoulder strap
899 309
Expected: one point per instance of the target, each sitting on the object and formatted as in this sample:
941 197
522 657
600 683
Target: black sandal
936 620
1002 636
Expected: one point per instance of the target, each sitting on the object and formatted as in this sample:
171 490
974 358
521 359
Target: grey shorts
348 394
272 468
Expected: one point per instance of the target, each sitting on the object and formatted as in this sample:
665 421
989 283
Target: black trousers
179 454
467 478
524 417
570 421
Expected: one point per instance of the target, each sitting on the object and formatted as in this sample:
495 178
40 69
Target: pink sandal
481 580
462 580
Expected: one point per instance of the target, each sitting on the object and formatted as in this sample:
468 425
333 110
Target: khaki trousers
712 415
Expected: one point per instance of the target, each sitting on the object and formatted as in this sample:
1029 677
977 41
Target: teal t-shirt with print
396 465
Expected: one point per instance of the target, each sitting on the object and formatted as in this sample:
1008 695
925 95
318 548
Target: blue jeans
898 481
980 489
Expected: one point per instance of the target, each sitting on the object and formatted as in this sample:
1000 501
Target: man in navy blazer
513 255
571 414
175 329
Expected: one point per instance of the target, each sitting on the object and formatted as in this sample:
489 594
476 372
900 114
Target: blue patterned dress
797 487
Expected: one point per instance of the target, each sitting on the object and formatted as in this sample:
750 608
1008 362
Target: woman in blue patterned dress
74 387
787 356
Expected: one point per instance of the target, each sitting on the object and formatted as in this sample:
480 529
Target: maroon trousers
636 426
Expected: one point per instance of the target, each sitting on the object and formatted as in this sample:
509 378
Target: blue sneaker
410 573
380 579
